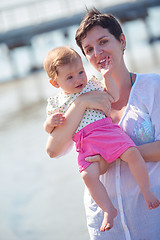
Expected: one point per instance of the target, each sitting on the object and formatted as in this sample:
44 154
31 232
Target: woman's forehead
95 34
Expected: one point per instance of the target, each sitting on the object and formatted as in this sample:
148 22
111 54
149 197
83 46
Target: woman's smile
102 63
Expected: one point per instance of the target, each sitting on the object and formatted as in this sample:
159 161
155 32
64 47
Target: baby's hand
53 121
106 69
56 120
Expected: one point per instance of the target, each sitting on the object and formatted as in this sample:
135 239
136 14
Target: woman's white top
141 121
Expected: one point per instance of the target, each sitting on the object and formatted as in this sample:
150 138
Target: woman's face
99 43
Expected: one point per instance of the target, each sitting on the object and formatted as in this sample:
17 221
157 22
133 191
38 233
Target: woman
137 112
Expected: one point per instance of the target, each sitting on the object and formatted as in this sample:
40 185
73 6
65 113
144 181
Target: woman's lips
102 63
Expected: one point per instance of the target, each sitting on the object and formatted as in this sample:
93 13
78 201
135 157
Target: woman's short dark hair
95 18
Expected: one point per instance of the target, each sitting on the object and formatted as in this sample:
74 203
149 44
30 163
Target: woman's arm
111 87
61 137
150 89
150 151
109 82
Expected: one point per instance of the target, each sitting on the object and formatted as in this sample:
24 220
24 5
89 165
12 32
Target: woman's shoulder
146 82
150 78
145 88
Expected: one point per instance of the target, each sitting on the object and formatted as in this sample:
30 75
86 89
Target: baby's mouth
79 86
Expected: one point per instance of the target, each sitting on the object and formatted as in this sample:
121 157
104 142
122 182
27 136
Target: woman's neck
122 79
121 74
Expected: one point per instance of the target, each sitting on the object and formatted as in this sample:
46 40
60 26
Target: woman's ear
123 41
54 83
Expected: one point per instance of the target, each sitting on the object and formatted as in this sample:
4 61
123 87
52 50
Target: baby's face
72 77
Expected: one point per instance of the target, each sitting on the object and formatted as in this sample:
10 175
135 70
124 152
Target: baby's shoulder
95 84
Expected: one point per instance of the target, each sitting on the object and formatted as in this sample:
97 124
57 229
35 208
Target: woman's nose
97 50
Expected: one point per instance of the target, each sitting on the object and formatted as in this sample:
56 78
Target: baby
96 134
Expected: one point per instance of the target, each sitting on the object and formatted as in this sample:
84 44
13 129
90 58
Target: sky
4 3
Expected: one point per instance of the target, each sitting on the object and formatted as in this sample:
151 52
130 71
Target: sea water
41 198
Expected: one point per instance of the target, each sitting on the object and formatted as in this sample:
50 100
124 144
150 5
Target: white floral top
62 101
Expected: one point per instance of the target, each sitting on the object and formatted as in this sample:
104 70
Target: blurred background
42 198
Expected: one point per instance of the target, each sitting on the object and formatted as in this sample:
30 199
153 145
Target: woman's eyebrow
97 40
102 37
86 46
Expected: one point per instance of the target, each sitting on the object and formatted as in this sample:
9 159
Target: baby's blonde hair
57 57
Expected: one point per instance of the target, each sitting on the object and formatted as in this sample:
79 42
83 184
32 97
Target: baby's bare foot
151 200
107 223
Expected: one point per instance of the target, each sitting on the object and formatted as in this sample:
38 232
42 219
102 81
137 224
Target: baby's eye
70 77
81 72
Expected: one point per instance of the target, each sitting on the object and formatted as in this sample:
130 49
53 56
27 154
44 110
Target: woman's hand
103 165
97 100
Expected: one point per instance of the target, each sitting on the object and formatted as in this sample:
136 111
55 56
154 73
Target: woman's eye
89 50
103 42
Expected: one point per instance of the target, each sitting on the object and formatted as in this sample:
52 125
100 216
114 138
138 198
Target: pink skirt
101 137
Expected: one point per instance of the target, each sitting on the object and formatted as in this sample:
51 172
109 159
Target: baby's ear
54 83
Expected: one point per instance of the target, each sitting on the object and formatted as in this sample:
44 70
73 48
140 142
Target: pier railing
38 11
19 23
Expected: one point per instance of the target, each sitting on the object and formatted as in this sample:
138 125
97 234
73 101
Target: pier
22 36
38 20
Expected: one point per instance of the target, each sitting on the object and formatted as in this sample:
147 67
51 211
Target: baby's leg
139 170
98 192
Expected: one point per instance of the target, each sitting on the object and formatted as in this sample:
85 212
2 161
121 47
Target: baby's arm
62 135
53 121
109 83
